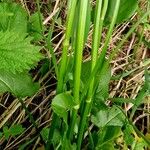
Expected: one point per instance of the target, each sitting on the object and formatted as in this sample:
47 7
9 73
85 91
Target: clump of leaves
17 54
12 131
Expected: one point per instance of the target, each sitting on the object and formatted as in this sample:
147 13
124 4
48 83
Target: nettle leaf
109 117
62 103
13 17
17 54
20 85
126 10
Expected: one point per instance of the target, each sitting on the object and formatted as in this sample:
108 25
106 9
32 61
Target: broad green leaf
101 88
129 134
107 136
57 135
126 10
85 71
16 129
110 117
44 134
17 54
20 85
108 146
13 18
141 145
103 79
61 104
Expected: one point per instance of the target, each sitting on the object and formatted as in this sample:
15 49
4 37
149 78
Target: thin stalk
31 118
79 45
70 19
39 15
89 100
138 101
49 46
98 24
69 25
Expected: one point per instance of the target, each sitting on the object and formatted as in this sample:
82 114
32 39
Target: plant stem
98 24
79 45
69 24
39 15
31 118
89 100
114 52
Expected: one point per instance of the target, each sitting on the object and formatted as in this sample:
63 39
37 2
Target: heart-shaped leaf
62 103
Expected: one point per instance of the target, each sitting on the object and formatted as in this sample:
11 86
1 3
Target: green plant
17 57
84 115
84 100
12 131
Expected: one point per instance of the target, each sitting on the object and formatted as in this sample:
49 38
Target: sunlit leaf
110 117
62 103
20 85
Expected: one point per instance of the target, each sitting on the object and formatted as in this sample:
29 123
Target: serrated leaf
13 18
126 10
16 129
110 117
20 85
17 54
61 104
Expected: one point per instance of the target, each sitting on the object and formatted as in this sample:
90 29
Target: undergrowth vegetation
74 74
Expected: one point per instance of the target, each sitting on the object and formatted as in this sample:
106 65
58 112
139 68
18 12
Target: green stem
39 15
69 24
79 45
31 118
113 54
138 101
70 19
49 46
98 24
89 100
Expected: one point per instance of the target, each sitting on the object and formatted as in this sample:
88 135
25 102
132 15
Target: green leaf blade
17 54
20 85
